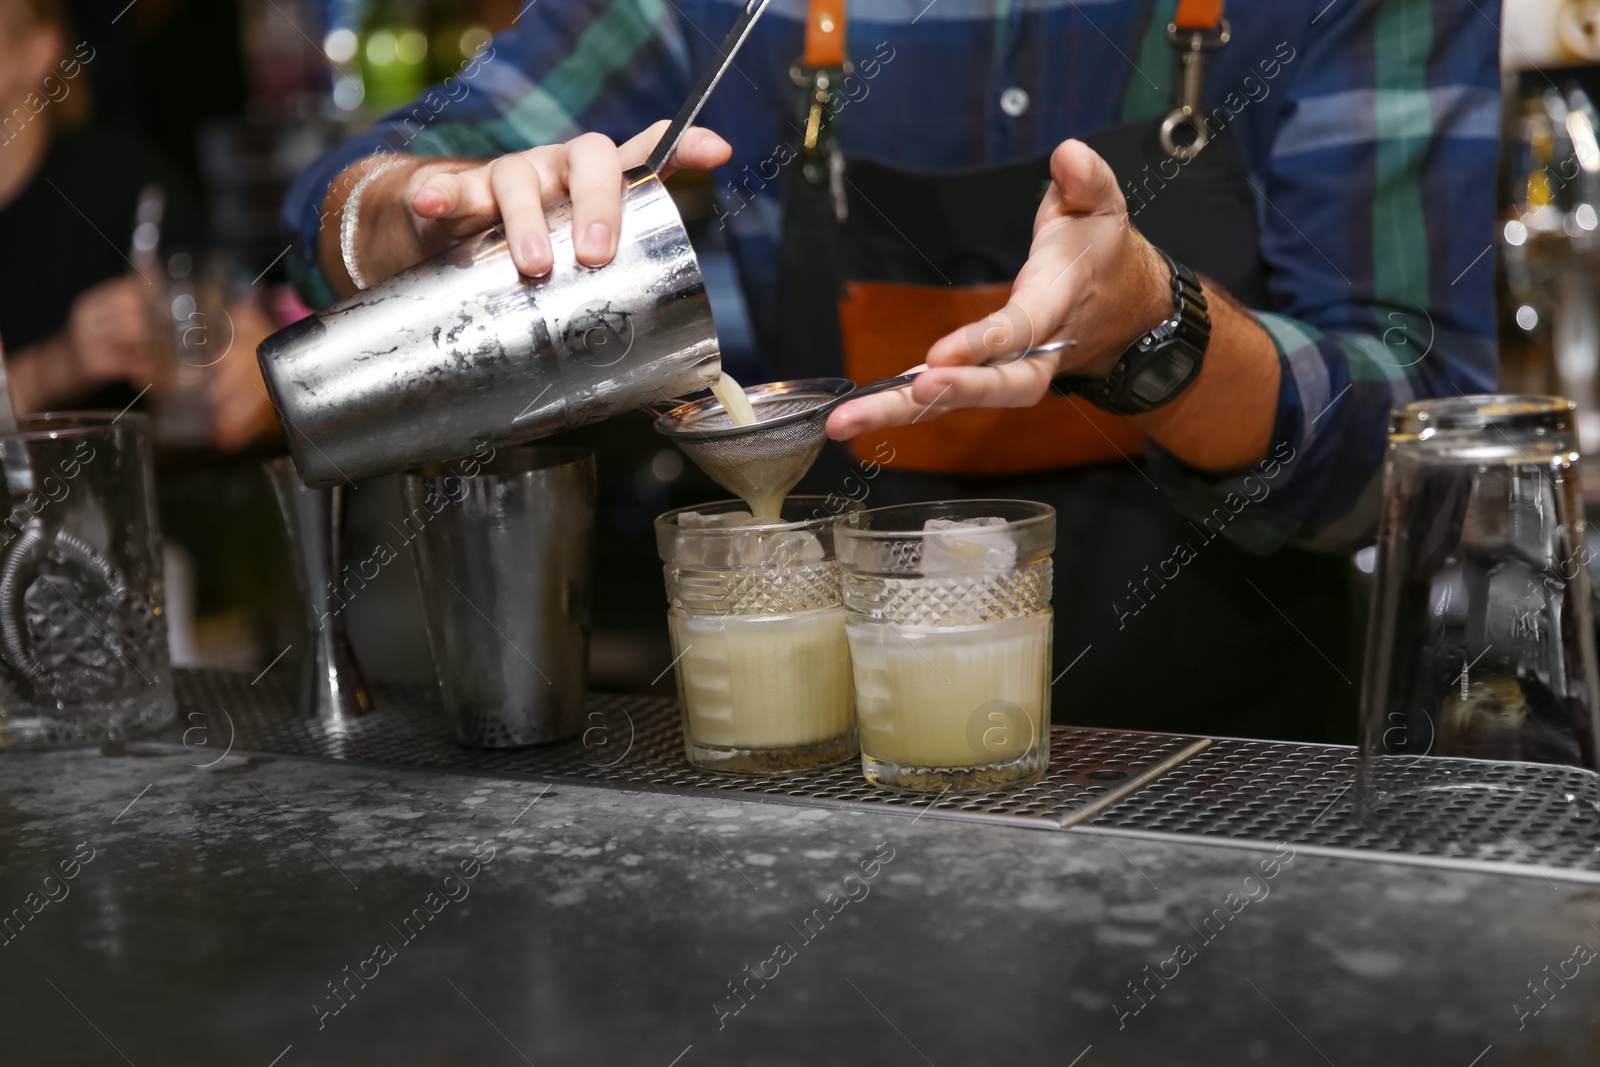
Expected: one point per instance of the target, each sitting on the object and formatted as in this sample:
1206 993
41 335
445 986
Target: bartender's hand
106 340
422 206
1091 277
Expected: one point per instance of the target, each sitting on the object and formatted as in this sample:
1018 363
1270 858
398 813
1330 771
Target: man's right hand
423 206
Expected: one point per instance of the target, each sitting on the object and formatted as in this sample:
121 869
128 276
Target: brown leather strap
1204 15
888 327
825 33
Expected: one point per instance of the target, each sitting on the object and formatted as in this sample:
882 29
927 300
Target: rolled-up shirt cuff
303 218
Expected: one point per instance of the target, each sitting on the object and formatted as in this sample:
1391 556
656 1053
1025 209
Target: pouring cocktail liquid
760 481
734 400
759 442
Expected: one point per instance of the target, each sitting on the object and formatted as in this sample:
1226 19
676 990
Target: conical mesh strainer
771 454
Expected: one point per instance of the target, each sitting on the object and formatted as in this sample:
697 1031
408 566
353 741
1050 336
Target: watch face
1156 382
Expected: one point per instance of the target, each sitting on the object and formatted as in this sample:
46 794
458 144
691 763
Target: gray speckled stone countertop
210 910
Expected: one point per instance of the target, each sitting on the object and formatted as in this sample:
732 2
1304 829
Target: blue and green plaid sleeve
1377 205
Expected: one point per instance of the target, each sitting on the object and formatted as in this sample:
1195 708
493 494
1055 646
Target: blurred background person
84 324
112 294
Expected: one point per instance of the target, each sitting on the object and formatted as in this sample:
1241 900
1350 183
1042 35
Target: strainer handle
897 382
903 380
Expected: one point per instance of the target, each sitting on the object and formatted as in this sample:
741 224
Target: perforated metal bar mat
1523 818
632 742
1517 818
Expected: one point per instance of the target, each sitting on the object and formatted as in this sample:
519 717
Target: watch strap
1157 367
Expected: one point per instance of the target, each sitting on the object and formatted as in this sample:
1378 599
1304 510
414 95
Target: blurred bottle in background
1549 238
1550 251
394 54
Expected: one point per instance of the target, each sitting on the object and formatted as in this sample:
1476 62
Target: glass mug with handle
83 629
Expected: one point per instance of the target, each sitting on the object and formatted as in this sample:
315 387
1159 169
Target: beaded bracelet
347 224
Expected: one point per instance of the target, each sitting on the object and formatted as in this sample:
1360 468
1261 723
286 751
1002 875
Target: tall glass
1480 642
758 640
950 633
83 634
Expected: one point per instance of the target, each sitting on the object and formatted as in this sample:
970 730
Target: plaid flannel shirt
1369 129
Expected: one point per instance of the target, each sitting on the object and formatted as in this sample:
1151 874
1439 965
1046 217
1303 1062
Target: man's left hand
1090 277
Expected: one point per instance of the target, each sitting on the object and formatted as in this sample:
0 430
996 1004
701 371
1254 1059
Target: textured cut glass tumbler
1480 644
83 633
757 626
950 633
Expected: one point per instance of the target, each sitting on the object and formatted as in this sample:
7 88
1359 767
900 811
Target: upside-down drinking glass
1480 644
950 633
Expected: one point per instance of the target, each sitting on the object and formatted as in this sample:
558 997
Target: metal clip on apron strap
1197 28
822 62
821 66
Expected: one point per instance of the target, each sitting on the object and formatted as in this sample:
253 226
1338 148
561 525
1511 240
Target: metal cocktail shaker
505 562
461 350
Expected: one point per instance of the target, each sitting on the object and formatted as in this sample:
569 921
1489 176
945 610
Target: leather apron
1160 623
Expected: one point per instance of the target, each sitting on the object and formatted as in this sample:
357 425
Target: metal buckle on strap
1211 38
1194 44
818 83
821 160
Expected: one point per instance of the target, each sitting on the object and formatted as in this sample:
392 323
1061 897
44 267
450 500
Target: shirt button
1014 101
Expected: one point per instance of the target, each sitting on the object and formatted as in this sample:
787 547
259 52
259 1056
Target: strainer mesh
779 455
766 410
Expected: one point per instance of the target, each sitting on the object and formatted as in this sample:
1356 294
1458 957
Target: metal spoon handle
708 81
903 380
1037 350
897 382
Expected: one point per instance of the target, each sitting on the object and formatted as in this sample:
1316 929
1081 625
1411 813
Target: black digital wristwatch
1160 364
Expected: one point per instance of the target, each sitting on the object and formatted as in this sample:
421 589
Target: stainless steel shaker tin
462 350
505 564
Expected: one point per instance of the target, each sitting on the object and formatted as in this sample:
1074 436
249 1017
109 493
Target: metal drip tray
1534 818
1507 817
635 742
